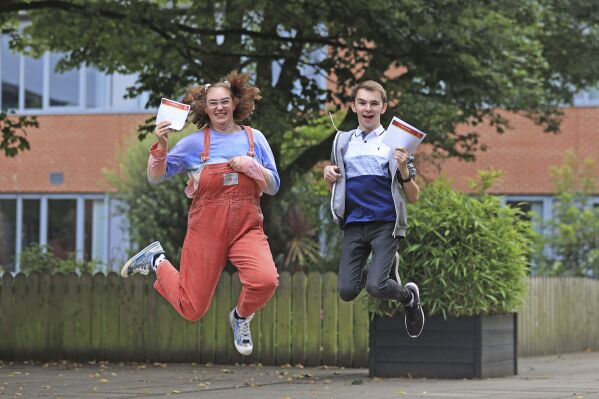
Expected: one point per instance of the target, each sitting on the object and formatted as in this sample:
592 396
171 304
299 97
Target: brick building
526 155
57 193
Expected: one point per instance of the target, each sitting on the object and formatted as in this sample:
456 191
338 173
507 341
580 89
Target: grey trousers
359 239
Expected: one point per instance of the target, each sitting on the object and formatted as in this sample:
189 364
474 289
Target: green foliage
154 211
13 143
295 235
304 208
570 243
300 139
461 61
36 258
467 254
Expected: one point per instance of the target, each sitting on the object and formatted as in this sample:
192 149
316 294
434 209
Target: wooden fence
82 318
105 317
559 315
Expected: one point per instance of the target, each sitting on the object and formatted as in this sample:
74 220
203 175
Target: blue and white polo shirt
368 181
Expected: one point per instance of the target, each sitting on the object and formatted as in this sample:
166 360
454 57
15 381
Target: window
528 208
532 211
10 77
8 221
589 96
33 86
95 227
64 86
96 93
62 227
87 225
30 232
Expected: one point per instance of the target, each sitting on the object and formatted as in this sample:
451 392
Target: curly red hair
244 96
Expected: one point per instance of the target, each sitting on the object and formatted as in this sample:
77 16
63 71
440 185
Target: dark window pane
33 82
31 222
8 226
525 208
10 76
62 227
89 228
529 208
64 86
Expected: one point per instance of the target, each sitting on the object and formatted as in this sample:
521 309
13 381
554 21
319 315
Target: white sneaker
143 261
242 336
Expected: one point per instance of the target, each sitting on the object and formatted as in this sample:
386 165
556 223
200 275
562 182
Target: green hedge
468 254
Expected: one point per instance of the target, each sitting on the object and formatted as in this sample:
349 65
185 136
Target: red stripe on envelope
175 104
408 129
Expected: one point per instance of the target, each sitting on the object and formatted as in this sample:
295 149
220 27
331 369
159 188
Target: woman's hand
252 168
161 131
241 163
331 173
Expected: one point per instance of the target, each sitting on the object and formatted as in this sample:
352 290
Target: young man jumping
370 186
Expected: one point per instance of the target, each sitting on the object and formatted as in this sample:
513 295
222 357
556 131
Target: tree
569 245
445 63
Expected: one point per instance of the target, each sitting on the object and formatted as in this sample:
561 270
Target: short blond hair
369 85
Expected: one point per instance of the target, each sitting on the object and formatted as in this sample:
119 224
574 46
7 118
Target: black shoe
414 314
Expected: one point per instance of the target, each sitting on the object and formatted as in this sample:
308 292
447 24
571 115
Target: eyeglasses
215 103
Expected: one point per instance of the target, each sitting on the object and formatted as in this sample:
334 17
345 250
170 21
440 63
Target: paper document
402 134
172 111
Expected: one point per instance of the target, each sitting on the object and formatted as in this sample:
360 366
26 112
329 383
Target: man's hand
331 173
402 156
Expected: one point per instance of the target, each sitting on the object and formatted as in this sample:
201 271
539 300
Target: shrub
36 258
468 254
569 245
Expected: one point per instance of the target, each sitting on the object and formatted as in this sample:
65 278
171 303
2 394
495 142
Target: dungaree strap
250 134
205 155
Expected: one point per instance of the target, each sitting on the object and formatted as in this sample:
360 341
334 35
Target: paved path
574 376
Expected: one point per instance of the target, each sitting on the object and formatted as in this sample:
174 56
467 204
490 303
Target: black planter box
456 347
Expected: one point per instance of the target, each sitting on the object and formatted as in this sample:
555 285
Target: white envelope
402 134
172 111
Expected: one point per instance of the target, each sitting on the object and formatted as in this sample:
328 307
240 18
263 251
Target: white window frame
106 107
546 200
80 221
